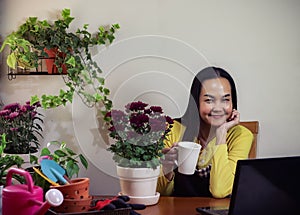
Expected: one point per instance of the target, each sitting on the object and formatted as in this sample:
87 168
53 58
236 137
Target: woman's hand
169 161
221 131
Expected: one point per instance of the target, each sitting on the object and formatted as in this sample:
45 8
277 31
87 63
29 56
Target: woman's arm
238 143
165 182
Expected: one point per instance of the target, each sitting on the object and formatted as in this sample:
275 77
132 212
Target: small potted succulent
22 125
138 133
72 57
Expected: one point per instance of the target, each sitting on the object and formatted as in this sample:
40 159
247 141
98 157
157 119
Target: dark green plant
83 74
139 133
7 161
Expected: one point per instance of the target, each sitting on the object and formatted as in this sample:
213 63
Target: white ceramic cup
188 153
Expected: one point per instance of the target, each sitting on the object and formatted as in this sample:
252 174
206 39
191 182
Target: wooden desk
181 205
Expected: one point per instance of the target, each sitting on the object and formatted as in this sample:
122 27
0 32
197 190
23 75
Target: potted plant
76 192
138 134
63 155
22 126
7 161
34 38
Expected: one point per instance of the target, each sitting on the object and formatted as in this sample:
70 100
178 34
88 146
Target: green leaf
83 161
34 99
71 61
45 151
60 153
11 61
72 168
70 151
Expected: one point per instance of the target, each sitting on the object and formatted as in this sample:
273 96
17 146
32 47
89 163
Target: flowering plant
139 133
21 125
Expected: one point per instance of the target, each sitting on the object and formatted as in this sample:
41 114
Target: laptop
264 186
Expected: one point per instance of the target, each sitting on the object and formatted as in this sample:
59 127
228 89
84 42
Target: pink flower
13 115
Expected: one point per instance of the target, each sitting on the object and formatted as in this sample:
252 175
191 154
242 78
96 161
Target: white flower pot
138 182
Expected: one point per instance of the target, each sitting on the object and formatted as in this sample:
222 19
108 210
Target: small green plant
7 161
64 156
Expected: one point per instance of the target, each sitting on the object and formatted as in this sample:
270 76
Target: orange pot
52 69
74 205
76 196
77 189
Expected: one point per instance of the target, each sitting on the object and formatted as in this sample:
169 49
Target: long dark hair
191 117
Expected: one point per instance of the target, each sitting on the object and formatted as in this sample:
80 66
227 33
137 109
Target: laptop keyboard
218 211
221 212
213 211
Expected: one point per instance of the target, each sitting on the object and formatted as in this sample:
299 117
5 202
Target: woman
211 119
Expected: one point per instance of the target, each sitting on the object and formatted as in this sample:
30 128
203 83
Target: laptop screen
266 186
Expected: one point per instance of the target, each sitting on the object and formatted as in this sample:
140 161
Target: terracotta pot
52 69
138 181
76 196
74 205
77 189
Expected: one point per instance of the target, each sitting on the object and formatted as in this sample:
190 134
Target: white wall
159 47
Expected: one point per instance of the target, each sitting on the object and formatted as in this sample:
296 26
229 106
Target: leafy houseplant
64 156
72 53
21 125
139 133
7 161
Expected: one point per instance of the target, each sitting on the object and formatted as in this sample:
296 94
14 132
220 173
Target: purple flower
138 120
4 112
112 129
156 109
135 106
108 114
12 107
28 107
169 120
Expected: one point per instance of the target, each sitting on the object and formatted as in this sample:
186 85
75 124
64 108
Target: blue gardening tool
54 171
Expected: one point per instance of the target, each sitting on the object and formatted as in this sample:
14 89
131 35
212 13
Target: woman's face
215 101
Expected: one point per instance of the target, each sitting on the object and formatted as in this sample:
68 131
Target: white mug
188 153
